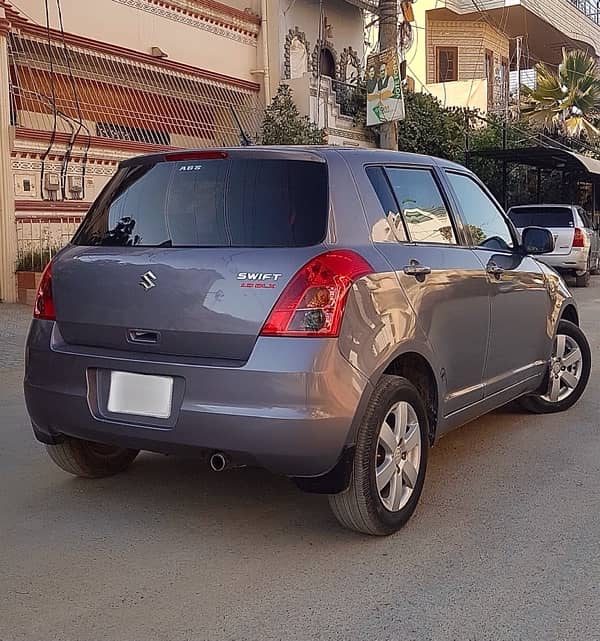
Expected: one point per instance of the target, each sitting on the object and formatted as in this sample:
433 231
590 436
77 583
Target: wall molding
218 23
349 56
51 206
75 168
200 6
324 44
295 34
349 134
22 133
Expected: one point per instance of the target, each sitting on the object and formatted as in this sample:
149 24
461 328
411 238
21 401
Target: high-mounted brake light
579 238
195 155
44 300
313 302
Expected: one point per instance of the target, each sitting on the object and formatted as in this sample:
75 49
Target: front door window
484 220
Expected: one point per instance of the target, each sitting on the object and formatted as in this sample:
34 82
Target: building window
326 63
447 64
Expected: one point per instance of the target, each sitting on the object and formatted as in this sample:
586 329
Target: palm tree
566 101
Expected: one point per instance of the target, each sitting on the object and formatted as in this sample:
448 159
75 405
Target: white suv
576 239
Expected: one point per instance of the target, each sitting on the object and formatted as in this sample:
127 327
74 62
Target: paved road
503 546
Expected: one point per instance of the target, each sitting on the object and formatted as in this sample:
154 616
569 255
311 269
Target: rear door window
212 203
422 205
388 202
557 217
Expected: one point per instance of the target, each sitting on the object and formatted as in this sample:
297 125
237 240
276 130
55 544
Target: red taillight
313 302
579 238
44 301
195 155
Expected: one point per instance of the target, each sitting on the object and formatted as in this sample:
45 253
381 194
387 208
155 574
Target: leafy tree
430 128
283 124
568 100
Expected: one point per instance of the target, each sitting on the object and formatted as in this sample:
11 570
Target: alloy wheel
566 366
398 456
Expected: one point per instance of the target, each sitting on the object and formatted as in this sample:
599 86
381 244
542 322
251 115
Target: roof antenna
245 140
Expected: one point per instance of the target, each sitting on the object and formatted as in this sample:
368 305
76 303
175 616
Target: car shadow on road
182 494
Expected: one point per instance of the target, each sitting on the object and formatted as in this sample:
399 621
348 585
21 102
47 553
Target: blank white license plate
140 394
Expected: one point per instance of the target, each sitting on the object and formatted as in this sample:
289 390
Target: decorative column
8 236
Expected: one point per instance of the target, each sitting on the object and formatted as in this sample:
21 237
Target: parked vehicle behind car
324 313
576 237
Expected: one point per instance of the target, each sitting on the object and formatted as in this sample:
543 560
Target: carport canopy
545 158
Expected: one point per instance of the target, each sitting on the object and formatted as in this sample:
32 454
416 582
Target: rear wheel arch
417 369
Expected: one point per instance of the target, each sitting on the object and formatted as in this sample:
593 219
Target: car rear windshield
542 217
212 203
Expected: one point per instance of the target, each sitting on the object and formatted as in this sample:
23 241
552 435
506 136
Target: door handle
494 270
143 336
416 269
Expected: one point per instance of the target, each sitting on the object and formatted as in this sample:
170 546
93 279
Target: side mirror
537 240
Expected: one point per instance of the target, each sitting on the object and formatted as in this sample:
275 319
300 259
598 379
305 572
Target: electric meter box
52 182
75 184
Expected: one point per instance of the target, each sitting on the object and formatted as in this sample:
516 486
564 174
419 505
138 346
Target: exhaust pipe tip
218 462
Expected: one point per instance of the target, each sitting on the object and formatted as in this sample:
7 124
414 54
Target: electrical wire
53 99
74 134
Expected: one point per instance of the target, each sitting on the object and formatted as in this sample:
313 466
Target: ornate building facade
84 85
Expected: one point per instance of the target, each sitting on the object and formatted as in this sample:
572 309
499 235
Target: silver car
576 237
325 313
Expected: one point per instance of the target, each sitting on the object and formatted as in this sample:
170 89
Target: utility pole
519 50
388 39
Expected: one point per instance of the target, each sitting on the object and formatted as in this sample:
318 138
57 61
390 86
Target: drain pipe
265 51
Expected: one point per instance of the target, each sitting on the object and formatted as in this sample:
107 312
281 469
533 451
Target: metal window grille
123 99
591 8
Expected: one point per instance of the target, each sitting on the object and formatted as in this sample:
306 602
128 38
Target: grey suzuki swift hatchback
323 313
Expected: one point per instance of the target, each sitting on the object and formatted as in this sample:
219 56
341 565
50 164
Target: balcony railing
350 97
591 8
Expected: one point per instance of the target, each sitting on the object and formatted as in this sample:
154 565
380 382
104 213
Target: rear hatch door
187 254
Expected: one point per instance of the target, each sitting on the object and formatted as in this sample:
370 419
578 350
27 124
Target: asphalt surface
504 544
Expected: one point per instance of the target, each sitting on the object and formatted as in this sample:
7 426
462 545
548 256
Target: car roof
308 152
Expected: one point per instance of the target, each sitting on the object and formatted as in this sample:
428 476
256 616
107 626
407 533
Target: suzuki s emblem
148 281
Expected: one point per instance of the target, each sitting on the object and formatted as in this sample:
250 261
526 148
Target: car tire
393 440
578 372
90 460
584 279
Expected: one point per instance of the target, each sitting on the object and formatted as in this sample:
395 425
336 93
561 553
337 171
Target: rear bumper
575 260
291 408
